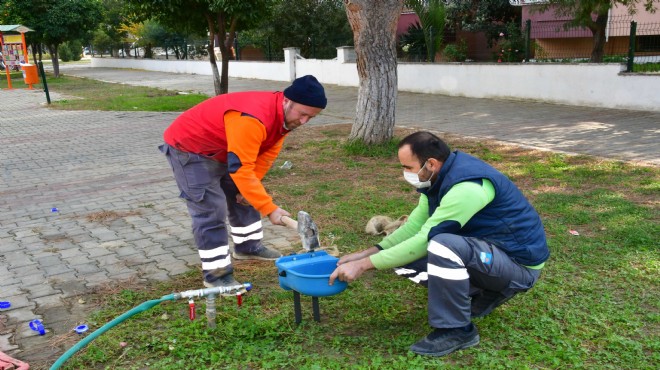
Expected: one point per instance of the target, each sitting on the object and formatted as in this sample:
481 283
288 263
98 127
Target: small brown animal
378 225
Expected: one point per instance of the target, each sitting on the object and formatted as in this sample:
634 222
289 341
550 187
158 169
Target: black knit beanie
307 90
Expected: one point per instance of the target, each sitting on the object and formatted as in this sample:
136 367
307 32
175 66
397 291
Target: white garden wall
594 85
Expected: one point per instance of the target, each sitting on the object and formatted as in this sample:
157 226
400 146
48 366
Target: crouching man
473 240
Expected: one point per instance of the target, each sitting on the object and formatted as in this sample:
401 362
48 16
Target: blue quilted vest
509 221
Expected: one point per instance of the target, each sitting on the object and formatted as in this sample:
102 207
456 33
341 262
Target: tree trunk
598 31
224 75
225 48
148 51
220 80
217 84
374 26
54 56
33 46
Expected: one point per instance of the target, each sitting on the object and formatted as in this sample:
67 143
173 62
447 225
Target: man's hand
350 271
275 217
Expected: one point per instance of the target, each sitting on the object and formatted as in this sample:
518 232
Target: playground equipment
15 53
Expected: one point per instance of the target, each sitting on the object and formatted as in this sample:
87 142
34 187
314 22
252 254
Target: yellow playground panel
15 53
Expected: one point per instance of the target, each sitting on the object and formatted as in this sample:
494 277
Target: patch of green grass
595 305
16 80
384 150
646 67
87 94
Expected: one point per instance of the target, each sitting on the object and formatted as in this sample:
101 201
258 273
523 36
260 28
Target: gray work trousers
210 195
458 268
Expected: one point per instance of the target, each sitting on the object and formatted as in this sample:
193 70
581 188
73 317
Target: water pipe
207 292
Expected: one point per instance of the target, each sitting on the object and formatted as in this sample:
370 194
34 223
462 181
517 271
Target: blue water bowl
308 273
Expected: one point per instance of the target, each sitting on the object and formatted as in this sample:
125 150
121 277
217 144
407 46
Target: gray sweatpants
210 195
458 268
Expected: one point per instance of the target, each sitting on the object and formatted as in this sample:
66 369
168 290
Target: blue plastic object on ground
81 329
4 305
37 326
308 274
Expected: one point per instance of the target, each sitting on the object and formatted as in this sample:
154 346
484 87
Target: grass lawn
596 305
16 81
87 94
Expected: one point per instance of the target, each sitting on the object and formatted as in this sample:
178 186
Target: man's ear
436 163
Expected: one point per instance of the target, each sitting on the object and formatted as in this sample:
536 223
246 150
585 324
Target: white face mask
413 178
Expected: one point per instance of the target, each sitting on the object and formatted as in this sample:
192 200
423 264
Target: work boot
263 253
441 342
225 281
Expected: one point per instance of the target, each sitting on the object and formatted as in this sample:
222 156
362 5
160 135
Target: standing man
473 240
220 151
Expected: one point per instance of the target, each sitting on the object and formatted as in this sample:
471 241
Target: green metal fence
623 40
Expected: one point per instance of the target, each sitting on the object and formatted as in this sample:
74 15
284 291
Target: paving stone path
86 199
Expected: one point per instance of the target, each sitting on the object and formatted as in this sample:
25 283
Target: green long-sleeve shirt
409 242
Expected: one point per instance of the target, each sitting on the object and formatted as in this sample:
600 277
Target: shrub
413 43
70 50
64 52
456 52
76 50
615 59
539 52
511 46
647 67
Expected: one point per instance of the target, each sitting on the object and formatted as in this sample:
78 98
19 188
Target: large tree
215 18
111 32
593 15
374 24
317 27
54 21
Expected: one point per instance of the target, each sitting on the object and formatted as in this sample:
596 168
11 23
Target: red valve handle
191 309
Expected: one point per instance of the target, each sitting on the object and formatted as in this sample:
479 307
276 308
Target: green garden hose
143 307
